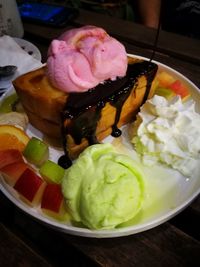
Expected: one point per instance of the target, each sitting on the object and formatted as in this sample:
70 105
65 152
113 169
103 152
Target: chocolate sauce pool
84 109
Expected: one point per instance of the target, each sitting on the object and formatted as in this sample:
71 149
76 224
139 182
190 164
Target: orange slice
12 137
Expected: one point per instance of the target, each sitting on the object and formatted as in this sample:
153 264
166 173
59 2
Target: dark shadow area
177 16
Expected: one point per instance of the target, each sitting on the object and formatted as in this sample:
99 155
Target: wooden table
27 242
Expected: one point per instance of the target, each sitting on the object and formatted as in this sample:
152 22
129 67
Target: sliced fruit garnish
36 151
179 88
52 172
12 172
8 102
168 86
30 186
52 197
165 92
14 118
165 79
12 137
52 202
10 156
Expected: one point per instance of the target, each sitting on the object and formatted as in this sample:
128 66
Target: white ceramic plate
30 48
167 191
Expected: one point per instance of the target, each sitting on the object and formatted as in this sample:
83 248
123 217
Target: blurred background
178 16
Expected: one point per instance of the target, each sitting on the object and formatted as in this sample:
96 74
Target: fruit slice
10 156
14 118
12 137
8 102
52 172
12 172
36 151
165 92
52 202
30 186
165 79
180 89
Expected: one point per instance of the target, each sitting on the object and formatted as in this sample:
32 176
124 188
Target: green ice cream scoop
103 188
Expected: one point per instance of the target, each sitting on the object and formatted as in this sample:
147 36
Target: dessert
13 171
52 202
9 156
12 137
169 86
30 186
168 131
36 151
51 172
109 190
7 104
88 89
14 118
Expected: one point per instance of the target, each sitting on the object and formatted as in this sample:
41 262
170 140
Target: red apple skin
52 198
165 79
9 156
179 88
28 186
12 172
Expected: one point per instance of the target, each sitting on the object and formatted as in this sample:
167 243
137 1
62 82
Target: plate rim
37 51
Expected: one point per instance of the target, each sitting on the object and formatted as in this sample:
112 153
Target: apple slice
12 172
52 202
165 92
8 102
52 172
9 156
164 79
30 186
36 151
180 89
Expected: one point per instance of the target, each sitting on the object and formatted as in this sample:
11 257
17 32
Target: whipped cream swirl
168 132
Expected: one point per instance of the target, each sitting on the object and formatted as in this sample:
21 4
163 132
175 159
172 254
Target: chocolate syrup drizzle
84 109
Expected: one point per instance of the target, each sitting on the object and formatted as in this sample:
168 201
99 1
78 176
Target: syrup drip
84 109
155 45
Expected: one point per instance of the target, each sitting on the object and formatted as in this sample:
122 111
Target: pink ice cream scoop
82 58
